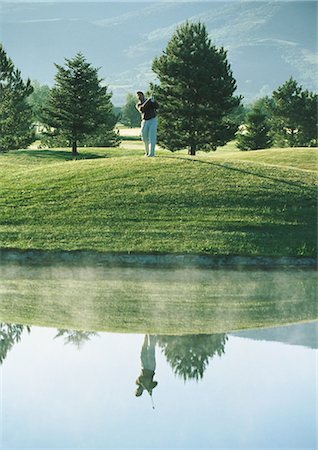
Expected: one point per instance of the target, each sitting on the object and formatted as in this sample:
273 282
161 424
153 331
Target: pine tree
9 335
16 127
256 133
195 94
130 116
104 135
189 355
79 104
294 113
38 100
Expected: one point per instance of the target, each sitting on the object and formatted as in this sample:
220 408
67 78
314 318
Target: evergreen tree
130 116
75 337
189 355
294 113
256 132
79 104
10 334
39 100
16 127
195 94
239 114
265 105
104 135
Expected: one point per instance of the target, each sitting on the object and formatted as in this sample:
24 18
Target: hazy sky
267 42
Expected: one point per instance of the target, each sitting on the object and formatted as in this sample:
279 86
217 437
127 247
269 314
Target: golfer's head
139 391
140 95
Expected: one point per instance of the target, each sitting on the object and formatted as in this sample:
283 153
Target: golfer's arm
146 105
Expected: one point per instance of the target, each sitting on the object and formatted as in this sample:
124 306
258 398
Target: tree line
195 89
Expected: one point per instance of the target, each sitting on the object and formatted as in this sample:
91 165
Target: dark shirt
146 381
147 109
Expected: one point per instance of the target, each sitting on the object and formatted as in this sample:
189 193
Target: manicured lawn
115 200
300 158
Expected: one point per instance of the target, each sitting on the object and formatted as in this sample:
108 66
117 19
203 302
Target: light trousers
148 353
149 135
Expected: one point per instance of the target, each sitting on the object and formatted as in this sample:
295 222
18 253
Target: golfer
148 110
145 380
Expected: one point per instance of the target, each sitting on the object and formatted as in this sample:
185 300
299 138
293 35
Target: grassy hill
115 200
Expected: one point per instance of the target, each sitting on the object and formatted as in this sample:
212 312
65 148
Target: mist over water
152 300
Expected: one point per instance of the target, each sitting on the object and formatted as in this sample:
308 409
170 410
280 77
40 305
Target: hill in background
304 334
267 42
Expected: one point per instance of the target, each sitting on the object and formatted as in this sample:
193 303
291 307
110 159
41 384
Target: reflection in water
71 399
161 301
75 337
9 335
145 380
189 355
305 334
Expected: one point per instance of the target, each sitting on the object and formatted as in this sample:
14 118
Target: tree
79 104
16 122
129 115
104 135
239 114
75 337
9 335
255 133
195 94
38 100
265 105
189 355
294 113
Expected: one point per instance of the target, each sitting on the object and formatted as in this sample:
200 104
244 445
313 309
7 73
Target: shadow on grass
248 172
60 155
298 240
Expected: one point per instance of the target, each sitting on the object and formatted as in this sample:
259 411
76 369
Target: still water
62 389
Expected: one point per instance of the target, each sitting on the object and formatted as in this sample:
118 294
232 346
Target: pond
156 301
126 358
67 389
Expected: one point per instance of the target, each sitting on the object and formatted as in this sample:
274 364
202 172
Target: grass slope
115 200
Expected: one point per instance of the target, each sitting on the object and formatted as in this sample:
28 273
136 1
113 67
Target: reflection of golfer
148 366
148 110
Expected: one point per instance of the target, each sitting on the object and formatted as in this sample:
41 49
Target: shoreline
144 260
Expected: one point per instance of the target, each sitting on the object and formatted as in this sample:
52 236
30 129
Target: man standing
148 110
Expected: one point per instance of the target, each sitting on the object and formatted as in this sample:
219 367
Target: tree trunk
293 140
74 148
191 150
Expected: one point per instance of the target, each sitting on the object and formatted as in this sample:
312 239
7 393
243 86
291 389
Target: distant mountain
304 334
267 42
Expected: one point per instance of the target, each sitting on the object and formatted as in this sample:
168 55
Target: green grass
156 301
115 200
300 158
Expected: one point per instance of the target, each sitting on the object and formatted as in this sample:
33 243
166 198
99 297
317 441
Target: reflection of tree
75 337
189 355
10 333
